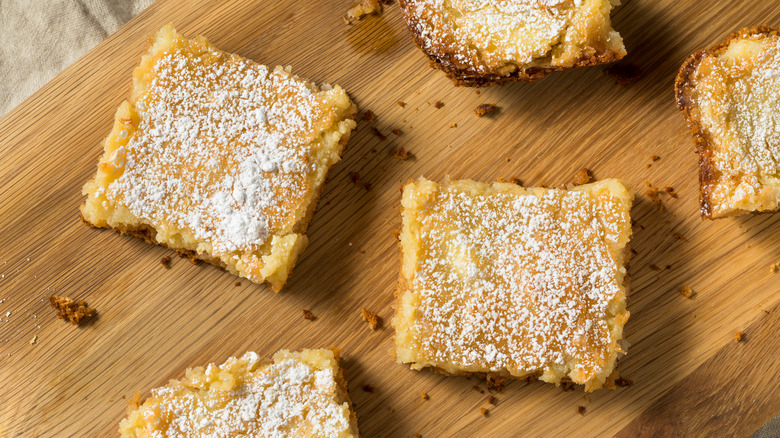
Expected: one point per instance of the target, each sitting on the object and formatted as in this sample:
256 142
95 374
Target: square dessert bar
484 42
513 282
730 95
296 394
218 157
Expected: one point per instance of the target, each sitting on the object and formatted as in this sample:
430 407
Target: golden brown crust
343 390
465 77
148 234
684 86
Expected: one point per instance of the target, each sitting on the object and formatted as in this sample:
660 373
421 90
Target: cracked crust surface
485 43
731 181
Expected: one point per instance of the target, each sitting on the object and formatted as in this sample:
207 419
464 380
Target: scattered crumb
738 336
454 125
655 267
623 382
391 409
670 191
587 399
567 386
654 196
653 158
166 262
133 402
492 400
679 236
507 159
371 318
369 388
403 154
401 103
624 74
438 104
477 92
496 384
774 267
424 396
34 340
479 390
308 315
485 109
73 311
581 410
687 292
484 412
583 176
397 234
368 116
363 8
417 435
397 131
355 178
379 134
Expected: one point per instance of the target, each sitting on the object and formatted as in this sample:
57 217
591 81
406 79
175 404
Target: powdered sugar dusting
222 151
483 34
289 398
517 282
739 106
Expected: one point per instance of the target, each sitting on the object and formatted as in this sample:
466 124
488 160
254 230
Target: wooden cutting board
690 377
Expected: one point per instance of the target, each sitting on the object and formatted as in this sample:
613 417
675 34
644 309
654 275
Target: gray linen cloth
42 37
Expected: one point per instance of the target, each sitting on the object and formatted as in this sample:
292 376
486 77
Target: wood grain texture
690 377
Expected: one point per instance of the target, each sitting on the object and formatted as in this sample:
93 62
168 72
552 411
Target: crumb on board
687 292
655 267
774 267
739 336
478 389
418 435
496 384
363 8
583 176
670 191
492 400
238 283
369 388
654 195
378 134
34 340
485 109
355 178
679 236
581 410
397 235
371 318
484 411
308 315
368 116
403 154
69 310
438 104
453 125
401 103
424 396
391 409
567 386
624 73
653 159
397 131
166 262
622 382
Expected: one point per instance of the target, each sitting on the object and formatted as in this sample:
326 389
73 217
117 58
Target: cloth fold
40 38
